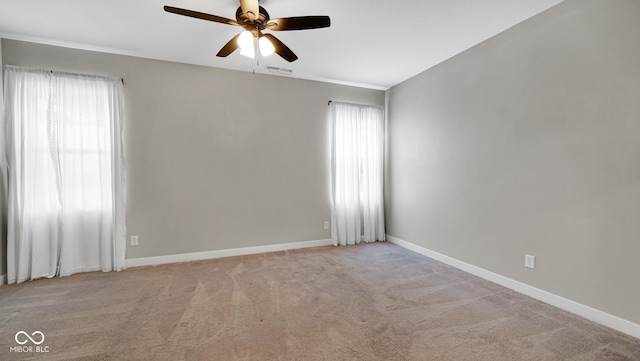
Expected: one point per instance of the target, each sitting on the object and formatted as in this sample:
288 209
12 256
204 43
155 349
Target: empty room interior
329 180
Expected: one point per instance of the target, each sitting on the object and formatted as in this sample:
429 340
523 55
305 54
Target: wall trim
590 313
198 256
3 279
64 44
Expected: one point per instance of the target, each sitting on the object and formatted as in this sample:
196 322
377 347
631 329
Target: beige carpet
368 302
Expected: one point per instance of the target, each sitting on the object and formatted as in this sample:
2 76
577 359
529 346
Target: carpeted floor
368 302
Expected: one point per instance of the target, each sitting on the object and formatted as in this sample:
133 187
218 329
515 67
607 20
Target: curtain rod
359 105
51 71
24 68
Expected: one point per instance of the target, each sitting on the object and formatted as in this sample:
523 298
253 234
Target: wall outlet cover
529 261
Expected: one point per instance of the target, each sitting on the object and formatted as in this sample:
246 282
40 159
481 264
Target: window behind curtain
66 173
357 172
84 143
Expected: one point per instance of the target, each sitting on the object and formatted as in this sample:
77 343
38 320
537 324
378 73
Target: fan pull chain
256 64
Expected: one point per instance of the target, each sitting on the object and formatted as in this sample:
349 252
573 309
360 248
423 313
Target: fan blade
299 23
281 49
250 8
199 15
229 47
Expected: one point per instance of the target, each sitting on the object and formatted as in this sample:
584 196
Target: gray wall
530 143
3 214
216 159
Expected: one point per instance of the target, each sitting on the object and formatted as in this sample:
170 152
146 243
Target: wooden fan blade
250 8
199 15
229 47
281 49
299 23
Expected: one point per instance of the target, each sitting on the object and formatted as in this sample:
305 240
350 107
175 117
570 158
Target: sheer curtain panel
65 165
357 158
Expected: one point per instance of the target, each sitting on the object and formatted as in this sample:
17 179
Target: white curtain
65 165
357 172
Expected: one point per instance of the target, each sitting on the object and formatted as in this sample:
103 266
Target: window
357 172
66 173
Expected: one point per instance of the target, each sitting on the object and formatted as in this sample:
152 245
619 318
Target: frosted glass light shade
266 48
248 52
245 39
245 42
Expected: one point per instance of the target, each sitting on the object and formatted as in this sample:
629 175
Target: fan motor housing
260 22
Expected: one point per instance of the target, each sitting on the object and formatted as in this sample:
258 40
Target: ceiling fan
254 19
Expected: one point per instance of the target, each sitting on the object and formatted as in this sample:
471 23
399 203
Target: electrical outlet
134 240
326 224
529 261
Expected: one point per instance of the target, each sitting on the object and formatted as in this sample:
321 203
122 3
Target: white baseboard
3 279
581 310
198 256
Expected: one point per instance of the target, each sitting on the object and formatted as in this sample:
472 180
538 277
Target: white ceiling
370 43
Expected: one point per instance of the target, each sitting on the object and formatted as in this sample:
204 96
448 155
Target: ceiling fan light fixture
248 52
245 40
266 48
254 19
